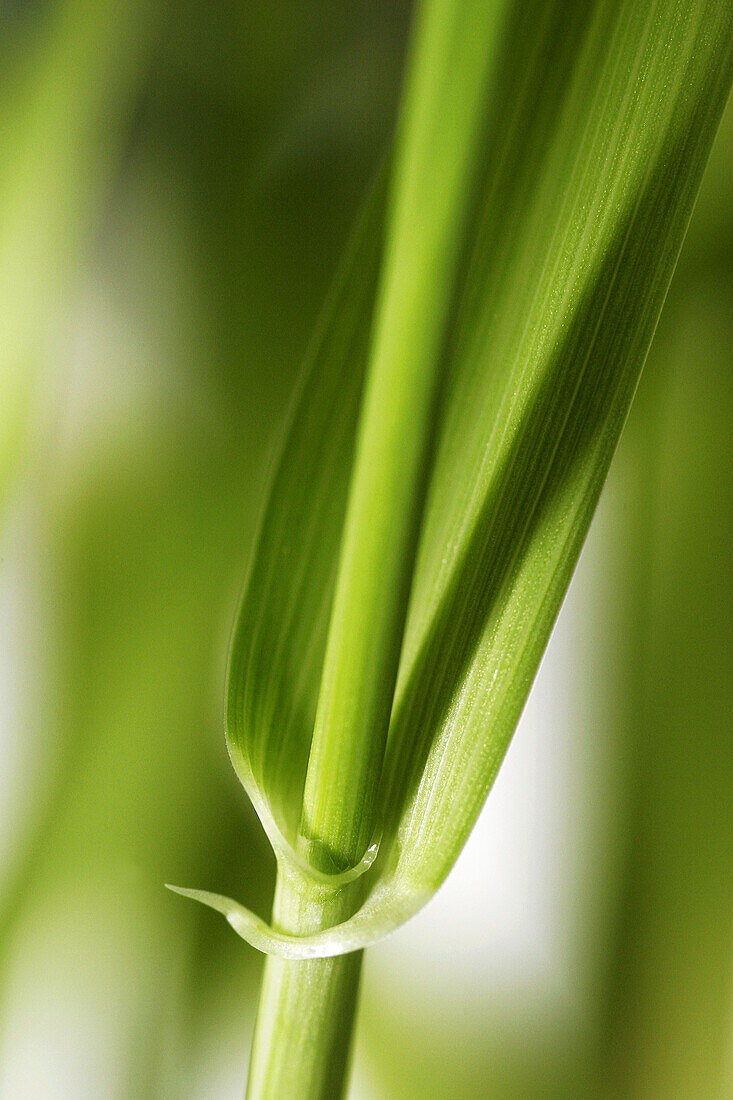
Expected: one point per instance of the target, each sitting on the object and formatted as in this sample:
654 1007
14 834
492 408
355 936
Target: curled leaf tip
257 932
369 925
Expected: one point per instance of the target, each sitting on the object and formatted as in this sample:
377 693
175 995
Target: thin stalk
437 133
306 1012
307 1009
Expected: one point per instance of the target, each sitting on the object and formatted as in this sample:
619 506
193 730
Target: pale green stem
443 101
307 1008
306 1011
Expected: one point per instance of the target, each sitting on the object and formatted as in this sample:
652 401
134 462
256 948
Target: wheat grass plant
445 452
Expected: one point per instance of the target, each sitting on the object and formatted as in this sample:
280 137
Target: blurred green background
176 185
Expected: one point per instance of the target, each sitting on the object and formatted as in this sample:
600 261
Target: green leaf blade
513 503
580 220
